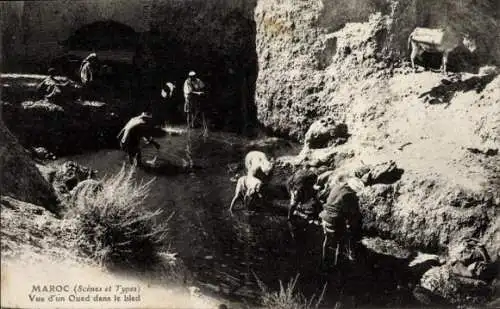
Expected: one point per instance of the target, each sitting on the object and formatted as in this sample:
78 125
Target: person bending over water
51 88
137 128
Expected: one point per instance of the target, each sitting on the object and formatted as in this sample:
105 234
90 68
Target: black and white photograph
240 154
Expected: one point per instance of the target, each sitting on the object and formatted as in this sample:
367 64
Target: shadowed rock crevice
20 177
325 57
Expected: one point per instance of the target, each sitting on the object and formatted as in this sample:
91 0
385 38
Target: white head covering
356 184
192 73
353 182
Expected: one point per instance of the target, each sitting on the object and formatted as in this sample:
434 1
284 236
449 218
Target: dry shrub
287 297
113 226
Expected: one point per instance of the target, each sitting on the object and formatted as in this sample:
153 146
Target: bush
114 228
287 297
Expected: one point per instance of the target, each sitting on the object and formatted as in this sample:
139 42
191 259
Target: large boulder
465 276
385 172
445 283
19 177
421 214
323 133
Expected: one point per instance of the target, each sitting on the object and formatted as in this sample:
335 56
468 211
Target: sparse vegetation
287 297
113 226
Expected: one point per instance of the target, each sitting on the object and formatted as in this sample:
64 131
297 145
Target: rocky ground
83 124
37 244
15 161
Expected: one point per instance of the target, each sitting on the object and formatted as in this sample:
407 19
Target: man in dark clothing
341 217
164 108
130 137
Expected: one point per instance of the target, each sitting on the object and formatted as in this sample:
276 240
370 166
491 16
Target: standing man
88 73
193 90
130 137
341 216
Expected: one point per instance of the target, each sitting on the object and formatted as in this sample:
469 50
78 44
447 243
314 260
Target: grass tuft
113 226
287 297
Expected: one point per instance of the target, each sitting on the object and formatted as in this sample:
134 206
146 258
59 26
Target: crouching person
303 201
341 218
137 128
52 89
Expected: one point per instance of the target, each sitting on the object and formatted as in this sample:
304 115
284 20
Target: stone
323 133
68 175
42 153
385 172
442 282
468 251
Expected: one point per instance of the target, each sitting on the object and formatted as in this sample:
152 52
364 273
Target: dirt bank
37 245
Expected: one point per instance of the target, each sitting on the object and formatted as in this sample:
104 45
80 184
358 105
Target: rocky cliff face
344 59
309 52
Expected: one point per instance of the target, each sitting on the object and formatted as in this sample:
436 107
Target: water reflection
188 162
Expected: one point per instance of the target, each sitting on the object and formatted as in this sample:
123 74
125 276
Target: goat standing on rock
436 40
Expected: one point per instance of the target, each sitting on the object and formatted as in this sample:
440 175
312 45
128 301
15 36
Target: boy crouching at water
130 137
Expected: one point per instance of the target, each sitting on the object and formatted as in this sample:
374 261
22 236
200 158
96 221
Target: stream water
227 253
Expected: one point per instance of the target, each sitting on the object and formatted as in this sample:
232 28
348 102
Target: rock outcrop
314 56
20 178
348 61
66 177
465 278
67 127
324 133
